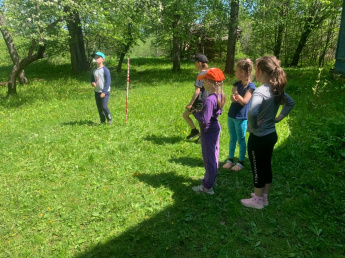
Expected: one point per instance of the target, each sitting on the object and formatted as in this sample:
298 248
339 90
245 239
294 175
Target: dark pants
260 150
102 106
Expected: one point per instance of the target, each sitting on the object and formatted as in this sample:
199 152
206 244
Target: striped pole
127 88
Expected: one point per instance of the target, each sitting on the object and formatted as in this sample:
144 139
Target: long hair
246 65
270 66
218 89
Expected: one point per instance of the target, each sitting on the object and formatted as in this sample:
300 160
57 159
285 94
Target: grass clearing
72 188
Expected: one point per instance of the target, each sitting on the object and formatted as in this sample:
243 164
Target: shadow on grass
187 161
81 122
175 226
161 140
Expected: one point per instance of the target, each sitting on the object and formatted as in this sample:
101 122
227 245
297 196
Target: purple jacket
208 116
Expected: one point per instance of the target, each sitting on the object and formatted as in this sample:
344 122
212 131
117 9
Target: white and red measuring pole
127 88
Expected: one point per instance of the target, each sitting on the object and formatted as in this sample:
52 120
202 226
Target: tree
232 36
316 13
36 22
76 41
11 48
176 19
280 27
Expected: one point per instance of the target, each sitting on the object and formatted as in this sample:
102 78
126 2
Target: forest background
299 32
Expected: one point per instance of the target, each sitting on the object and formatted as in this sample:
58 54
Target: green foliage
72 188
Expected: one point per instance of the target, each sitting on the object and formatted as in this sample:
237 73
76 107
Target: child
210 127
101 80
237 115
261 125
198 97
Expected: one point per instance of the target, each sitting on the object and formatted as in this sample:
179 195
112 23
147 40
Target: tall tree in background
232 37
76 41
280 27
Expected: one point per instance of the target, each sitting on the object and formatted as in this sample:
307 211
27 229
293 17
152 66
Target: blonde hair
218 89
246 65
270 66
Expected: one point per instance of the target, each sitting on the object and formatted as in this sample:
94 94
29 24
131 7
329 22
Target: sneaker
193 133
201 179
265 201
254 202
197 140
201 188
110 122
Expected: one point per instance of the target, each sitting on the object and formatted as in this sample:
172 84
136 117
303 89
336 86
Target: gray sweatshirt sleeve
288 105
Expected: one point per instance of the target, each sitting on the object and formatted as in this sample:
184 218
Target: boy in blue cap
101 80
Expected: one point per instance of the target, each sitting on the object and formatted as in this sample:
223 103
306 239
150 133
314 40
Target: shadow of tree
187 161
176 226
161 140
81 122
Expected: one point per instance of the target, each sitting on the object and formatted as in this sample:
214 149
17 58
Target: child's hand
102 95
279 118
188 107
93 84
234 96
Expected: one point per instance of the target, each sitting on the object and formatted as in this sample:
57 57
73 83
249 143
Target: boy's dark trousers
102 106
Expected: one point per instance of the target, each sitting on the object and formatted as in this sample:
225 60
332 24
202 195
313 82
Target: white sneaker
201 188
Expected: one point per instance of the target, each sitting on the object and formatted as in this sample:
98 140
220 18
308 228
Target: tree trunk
126 47
281 27
76 43
278 43
12 49
303 40
328 38
232 37
263 38
176 50
16 70
122 57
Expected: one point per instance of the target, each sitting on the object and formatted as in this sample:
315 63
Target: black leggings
260 150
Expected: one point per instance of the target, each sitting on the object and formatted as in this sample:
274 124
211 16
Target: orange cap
213 74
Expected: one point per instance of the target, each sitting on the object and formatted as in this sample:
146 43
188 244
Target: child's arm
286 108
93 81
244 100
254 110
194 97
204 116
107 80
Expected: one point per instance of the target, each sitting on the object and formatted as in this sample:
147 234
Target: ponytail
278 82
270 65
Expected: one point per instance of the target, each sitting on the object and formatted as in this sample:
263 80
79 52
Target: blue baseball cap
98 54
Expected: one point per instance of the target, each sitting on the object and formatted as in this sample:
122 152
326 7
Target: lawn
70 187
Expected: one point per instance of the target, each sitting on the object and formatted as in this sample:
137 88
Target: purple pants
210 153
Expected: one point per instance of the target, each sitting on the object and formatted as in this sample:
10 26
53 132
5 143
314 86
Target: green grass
72 188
